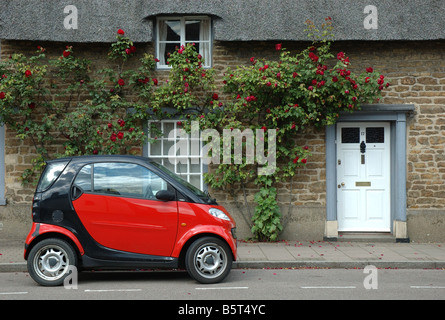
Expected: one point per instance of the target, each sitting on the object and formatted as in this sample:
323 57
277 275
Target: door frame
396 115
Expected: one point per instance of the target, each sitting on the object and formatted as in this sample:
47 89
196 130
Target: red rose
113 137
155 81
370 70
2 95
121 32
313 56
66 54
278 46
120 135
121 82
296 159
215 96
28 73
303 160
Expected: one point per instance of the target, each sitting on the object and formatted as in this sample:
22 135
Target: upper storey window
173 32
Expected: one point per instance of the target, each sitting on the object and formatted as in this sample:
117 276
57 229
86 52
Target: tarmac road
254 285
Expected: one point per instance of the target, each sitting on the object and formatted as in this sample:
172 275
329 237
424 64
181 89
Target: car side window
123 179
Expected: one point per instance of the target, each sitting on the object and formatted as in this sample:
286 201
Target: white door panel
363 176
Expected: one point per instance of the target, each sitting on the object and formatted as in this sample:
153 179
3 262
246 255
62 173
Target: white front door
363 176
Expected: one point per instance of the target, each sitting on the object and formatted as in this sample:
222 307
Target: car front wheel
49 261
208 260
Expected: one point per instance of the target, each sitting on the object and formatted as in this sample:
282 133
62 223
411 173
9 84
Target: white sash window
173 32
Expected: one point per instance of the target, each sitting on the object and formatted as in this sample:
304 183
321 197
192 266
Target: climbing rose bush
87 112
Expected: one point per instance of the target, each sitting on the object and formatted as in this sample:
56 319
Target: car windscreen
181 181
50 174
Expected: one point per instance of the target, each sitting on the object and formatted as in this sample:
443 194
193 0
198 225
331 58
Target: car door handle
76 192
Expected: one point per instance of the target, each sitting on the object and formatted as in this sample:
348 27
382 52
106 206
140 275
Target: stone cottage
378 171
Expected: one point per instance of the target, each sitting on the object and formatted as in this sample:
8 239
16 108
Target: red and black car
125 212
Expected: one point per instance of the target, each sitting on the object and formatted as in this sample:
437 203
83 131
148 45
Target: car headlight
218 214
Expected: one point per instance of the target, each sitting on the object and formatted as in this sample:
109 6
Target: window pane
192 30
181 168
196 181
167 146
125 179
350 135
51 173
170 30
375 135
165 49
195 168
83 179
155 148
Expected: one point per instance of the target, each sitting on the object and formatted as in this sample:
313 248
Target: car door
117 205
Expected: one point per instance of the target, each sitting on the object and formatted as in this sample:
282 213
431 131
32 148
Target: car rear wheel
208 260
49 261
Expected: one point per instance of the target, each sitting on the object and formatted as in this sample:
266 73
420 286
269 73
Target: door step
366 237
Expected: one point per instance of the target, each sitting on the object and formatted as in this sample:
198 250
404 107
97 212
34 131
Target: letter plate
363 183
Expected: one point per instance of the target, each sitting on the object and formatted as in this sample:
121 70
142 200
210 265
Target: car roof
99 158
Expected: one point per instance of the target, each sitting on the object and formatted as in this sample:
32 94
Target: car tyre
208 260
49 261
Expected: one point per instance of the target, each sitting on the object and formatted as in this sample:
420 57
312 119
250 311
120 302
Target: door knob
341 185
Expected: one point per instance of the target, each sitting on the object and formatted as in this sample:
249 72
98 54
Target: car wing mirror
165 195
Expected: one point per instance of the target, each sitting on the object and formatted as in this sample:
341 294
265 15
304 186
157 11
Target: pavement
296 254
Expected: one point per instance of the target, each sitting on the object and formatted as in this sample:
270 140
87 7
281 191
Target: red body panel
129 224
38 229
194 219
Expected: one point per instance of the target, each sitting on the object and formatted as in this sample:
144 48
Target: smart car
124 212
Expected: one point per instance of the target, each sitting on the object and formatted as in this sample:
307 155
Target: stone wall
417 75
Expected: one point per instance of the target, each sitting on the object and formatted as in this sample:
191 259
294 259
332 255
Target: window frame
182 41
162 157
